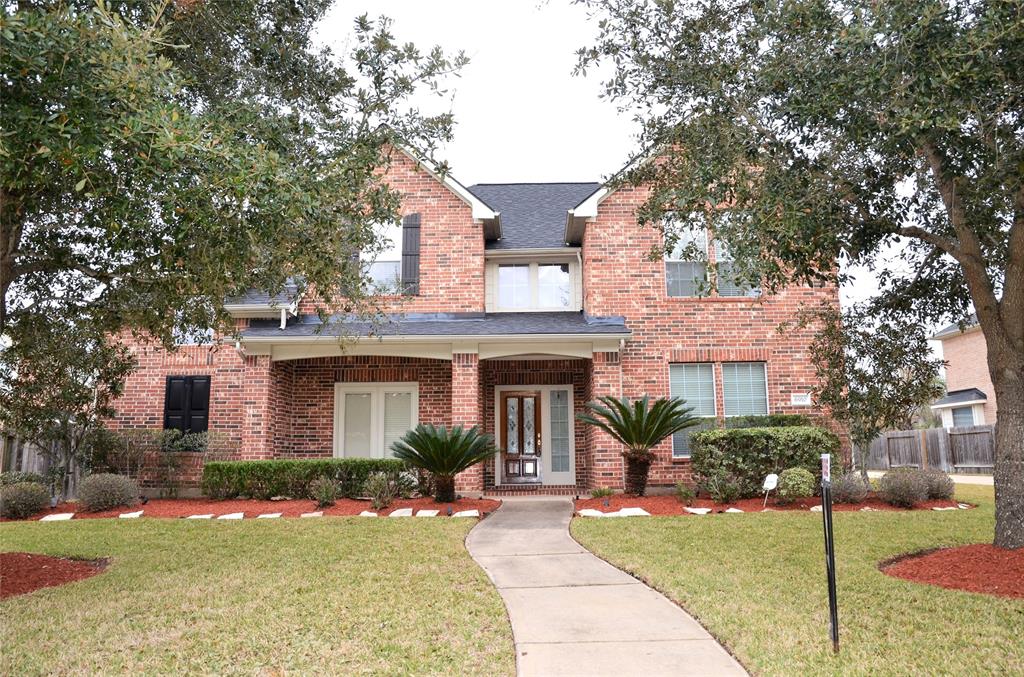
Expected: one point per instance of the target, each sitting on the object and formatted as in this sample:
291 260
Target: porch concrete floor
573 613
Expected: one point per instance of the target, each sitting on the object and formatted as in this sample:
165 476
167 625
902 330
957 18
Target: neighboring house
521 303
970 398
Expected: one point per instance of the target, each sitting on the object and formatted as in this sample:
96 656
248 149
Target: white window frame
670 257
376 391
767 399
952 415
533 279
383 230
714 400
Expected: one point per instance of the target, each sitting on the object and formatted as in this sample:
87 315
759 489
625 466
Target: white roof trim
588 208
480 210
952 405
435 338
262 310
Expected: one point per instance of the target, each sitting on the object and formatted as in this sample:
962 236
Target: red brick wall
451 245
536 373
620 279
967 358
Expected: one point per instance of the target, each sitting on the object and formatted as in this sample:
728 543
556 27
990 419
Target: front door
520 436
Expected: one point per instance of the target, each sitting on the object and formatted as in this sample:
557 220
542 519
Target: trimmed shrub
324 491
104 491
747 455
266 479
794 484
23 499
601 492
685 493
850 487
903 487
767 421
381 488
15 477
940 485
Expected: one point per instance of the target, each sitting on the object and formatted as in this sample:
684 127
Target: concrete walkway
959 479
573 613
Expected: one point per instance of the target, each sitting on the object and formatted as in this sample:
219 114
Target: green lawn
324 596
757 583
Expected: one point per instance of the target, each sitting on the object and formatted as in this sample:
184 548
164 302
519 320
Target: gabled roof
532 214
965 396
954 329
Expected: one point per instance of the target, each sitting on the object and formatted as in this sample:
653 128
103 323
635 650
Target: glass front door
520 428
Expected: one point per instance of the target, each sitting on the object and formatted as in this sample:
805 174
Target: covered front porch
354 397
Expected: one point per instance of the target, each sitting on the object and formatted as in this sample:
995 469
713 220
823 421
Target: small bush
104 491
381 489
175 440
23 499
265 479
850 487
747 455
601 492
723 487
324 491
794 484
940 485
903 487
685 493
15 477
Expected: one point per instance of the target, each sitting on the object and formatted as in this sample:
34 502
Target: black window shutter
199 404
411 254
176 403
187 403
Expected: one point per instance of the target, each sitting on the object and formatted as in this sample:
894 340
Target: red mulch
975 568
22 572
670 505
183 507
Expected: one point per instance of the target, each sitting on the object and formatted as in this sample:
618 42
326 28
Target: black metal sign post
830 551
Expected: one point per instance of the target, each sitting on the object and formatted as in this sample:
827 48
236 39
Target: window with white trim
383 265
727 282
370 417
694 383
963 416
745 389
686 267
534 286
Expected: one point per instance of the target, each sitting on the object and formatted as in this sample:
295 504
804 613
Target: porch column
466 412
605 454
257 424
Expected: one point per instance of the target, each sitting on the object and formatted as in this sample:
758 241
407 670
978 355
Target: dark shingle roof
953 329
255 297
958 396
445 324
532 214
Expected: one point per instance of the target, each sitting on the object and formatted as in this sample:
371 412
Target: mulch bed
183 507
22 572
670 505
980 568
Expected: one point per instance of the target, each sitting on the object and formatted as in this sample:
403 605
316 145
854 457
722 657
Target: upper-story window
533 286
384 266
686 266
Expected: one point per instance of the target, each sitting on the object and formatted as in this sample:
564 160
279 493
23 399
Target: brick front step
533 490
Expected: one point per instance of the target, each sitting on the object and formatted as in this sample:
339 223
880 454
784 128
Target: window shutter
411 254
199 404
176 403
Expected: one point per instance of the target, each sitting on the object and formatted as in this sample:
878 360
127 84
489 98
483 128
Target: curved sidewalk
573 613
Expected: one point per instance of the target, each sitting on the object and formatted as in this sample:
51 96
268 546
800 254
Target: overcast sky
520 113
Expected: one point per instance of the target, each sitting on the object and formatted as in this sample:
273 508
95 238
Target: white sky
520 113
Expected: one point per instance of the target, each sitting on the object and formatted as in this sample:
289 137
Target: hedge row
265 479
767 421
744 456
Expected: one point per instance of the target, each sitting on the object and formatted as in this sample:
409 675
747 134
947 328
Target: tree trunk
1009 462
444 489
636 476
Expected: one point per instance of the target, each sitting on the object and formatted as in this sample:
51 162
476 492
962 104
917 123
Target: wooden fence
969 449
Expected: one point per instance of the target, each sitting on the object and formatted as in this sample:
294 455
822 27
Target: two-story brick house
521 303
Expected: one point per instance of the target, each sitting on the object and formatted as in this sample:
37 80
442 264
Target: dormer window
525 286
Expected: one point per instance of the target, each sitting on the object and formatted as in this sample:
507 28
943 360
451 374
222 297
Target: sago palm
444 453
639 428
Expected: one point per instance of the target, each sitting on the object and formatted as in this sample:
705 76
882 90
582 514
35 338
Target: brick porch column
466 412
257 424
605 454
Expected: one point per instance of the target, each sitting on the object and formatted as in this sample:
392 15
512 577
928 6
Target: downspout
284 318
